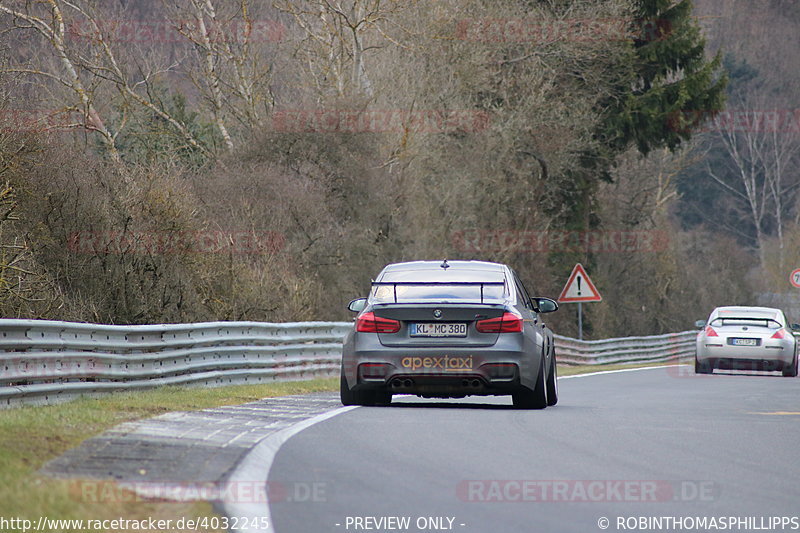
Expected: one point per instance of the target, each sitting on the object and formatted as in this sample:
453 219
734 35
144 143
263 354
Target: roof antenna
444 264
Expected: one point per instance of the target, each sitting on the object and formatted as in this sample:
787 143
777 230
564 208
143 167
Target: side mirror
795 327
700 324
544 305
357 305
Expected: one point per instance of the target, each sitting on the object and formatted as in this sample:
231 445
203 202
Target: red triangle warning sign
579 288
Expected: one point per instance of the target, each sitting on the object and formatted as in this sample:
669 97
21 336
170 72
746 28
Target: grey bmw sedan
440 329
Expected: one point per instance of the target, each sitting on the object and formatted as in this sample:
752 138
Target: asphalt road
660 442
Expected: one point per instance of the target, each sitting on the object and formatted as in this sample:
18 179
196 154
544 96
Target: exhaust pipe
408 383
476 383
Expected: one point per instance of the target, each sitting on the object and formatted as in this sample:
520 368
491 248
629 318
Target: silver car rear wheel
705 367
791 370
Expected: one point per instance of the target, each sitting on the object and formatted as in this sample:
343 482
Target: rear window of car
415 286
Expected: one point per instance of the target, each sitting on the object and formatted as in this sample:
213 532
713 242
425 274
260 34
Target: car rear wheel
367 397
552 383
526 398
704 367
347 396
381 398
791 370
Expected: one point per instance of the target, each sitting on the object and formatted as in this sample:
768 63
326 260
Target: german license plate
444 329
744 342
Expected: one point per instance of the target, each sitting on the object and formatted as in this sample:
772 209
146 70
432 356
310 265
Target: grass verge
31 436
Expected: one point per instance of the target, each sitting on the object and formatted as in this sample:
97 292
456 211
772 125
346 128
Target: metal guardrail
651 349
48 361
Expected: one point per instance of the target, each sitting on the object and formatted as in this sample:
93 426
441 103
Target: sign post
579 289
795 278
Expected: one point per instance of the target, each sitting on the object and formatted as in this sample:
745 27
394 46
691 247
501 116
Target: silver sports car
448 330
746 338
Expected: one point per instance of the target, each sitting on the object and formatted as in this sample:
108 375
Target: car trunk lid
439 324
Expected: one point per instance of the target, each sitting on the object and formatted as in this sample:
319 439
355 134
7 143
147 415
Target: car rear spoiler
747 318
394 284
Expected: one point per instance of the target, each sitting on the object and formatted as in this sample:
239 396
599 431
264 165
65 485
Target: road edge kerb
260 459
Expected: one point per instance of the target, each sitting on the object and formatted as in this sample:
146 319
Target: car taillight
508 323
710 332
369 323
780 334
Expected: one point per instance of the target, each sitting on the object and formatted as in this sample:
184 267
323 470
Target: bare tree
337 34
763 149
229 71
50 24
25 289
82 41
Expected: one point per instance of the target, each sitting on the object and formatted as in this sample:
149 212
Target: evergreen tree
673 80
656 102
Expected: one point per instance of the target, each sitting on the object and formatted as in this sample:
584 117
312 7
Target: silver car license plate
445 329
744 342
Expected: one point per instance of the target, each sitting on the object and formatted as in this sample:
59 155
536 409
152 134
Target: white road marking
618 371
254 469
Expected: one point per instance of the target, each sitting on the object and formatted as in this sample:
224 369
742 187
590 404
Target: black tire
703 368
347 396
791 370
366 398
526 398
552 382
382 398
